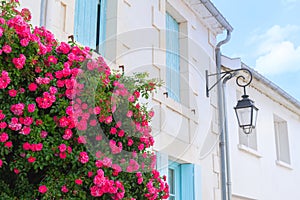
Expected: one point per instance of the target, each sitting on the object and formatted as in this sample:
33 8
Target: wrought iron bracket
241 80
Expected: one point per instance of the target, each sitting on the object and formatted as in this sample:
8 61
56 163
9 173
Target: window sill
176 106
248 150
283 164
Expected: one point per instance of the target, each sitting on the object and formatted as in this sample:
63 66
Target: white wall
35 8
140 47
255 174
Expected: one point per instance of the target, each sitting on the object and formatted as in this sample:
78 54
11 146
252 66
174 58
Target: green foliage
70 128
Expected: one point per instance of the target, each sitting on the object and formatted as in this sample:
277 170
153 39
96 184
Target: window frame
93 15
173 82
177 180
280 132
184 64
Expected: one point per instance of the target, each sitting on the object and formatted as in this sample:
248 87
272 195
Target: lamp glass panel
255 112
244 116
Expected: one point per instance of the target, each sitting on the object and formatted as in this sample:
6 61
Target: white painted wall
34 7
255 174
140 43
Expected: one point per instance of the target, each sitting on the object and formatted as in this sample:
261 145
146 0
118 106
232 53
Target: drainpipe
224 154
227 154
43 12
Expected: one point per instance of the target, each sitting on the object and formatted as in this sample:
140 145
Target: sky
266 37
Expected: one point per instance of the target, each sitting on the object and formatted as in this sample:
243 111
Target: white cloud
282 57
275 52
273 36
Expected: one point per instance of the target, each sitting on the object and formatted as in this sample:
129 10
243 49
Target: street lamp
246 114
245 110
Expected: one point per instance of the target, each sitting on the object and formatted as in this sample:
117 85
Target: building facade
175 41
264 164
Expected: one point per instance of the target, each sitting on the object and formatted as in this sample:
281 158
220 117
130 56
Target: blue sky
266 37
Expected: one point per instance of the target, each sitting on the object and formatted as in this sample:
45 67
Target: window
172 58
90 23
174 181
282 140
248 140
182 178
181 181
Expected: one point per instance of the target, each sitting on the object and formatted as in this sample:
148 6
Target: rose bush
70 127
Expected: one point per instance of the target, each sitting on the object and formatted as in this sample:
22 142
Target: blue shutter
172 57
187 182
102 27
176 169
85 29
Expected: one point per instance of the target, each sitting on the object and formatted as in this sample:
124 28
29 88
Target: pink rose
25 130
129 114
83 157
24 42
43 189
17 109
31 159
130 142
98 137
78 181
113 131
62 155
32 87
38 147
99 180
62 147
68 134
4 79
52 59
108 120
26 146
93 122
121 133
31 108
53 90
107 162
131 98
140 181
3 125
1 31
64 189
8 144
81 140
97 110
43 134
3 137
19 62
6 49
12 93
17 171
90 174
63 48
141 147
28 121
